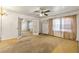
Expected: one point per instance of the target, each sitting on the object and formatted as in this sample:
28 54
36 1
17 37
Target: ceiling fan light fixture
41 14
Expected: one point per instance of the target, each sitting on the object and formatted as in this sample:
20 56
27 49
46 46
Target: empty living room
39 29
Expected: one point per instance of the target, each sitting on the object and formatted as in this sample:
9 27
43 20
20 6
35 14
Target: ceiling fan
42 11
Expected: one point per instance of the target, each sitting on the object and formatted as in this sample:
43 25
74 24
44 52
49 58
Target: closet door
45 27
35 27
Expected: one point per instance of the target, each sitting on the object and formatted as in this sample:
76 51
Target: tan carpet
39 44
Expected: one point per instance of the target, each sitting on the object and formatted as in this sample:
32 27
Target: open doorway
19 27
24 26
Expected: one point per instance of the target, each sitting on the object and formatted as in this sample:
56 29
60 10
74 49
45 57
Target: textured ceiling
29 10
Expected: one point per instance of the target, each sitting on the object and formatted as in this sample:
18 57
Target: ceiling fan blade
47 11
36 11
45 14
41 8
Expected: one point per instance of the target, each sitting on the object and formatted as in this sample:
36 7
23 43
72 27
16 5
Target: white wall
10 25
36 27
78 27
0 27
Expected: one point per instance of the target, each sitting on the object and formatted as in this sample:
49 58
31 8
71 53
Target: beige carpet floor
38 44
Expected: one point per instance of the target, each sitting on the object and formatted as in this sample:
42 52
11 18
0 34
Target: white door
36 27
45 27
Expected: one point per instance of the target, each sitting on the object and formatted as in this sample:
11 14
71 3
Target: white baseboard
9 38
35 33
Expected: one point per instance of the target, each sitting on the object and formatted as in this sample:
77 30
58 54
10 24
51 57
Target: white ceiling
29 10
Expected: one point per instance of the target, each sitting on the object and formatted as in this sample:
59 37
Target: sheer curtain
65 27
56 27
69 27
56 24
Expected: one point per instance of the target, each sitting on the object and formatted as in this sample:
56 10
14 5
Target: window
56 24
62 24
30 25
66 24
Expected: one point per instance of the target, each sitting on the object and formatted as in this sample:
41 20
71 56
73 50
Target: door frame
19 27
